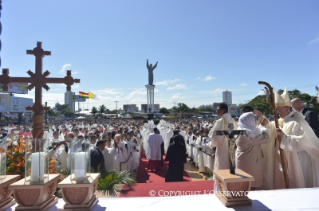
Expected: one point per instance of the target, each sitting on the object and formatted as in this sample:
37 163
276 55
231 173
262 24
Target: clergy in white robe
249 156
154 150
300 145
221 142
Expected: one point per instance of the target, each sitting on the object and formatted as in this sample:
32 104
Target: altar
289 199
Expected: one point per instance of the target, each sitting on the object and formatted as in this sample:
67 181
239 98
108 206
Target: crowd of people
117 144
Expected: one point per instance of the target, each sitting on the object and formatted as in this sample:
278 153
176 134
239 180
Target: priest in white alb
154 155
221 142
299 142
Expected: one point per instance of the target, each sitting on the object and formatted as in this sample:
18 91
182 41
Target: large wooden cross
37 80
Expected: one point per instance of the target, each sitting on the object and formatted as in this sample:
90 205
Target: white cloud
261 92
243 84
216 91
314 41
208 78
176 97
65 67
166 82
178 86
198 78
108 91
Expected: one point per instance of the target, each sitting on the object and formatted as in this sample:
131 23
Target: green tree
60 107
164 110
94 111
182 107
102 109
259 103
68 113
52 113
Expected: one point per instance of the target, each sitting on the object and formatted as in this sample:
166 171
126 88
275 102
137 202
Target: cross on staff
37 80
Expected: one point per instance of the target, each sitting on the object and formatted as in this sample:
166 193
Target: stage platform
291 199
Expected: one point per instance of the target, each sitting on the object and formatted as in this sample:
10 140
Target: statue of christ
150 72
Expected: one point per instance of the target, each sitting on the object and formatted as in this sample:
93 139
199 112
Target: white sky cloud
215 91
108 91
314 41
166 82
198 78
176 97
209 78
66 67
178 86
261 92
243 84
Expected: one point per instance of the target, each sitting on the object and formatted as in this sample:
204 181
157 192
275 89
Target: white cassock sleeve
216 141
291 142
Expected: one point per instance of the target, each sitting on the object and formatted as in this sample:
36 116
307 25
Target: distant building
227 97
234 110
68 100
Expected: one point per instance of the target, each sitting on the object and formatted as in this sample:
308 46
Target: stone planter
79 196
233 188
6 200
35 197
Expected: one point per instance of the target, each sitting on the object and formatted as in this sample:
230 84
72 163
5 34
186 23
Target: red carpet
145 175
169 189
159 187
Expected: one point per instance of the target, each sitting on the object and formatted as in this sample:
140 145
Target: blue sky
202 47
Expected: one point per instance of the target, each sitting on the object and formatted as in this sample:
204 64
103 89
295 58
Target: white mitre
282 100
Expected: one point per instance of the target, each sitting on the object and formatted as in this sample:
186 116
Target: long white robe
273 176
221 142
154 146
109 157
301 147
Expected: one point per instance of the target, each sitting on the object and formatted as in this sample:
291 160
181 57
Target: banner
130 108
19 104
4 103
19 88
144 108
76 98
156 108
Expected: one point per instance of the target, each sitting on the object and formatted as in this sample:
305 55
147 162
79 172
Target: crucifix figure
37 80
231 135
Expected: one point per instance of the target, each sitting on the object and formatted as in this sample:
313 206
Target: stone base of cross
37 80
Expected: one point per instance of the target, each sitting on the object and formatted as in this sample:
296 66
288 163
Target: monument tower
150 90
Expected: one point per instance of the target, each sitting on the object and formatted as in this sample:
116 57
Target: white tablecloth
292 199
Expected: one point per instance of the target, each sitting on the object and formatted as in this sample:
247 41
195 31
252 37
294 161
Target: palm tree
317 88
102 109
94 111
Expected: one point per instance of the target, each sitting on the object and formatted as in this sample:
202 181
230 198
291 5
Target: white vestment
154 146
301 147
221 142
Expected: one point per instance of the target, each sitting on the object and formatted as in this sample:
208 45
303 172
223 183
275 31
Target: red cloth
154 165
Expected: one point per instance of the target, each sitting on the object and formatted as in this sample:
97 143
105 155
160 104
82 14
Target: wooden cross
37 80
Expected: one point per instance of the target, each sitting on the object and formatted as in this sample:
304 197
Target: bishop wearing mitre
299 143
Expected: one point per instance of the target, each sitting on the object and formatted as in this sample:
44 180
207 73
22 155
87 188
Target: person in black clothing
97 157
176 155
